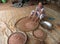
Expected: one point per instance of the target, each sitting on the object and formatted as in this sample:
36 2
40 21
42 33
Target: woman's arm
42 11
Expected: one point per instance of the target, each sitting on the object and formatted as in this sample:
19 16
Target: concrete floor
10 15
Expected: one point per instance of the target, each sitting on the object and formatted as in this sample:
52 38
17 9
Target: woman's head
40 4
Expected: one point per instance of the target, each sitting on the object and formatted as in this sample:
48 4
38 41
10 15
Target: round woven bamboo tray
39 34
25 24
17 38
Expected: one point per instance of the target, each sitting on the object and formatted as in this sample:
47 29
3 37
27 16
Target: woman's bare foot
36 19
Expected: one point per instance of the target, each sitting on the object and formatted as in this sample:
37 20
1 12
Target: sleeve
36 8
42 9
32 12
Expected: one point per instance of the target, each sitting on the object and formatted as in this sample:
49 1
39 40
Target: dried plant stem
56 30
6 34
49 34
8 27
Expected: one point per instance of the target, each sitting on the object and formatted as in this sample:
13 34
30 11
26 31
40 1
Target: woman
39 12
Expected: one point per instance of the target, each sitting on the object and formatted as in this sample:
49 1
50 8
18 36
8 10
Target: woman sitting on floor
38 13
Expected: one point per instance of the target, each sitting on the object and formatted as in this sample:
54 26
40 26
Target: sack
4 1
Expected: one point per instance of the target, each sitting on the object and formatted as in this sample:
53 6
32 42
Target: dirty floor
10 15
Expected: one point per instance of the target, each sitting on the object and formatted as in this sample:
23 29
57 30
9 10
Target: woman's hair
41 4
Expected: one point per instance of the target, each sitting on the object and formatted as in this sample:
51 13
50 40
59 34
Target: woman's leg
34 16
36 19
